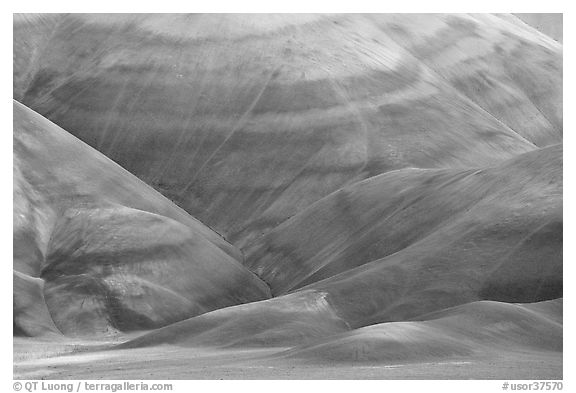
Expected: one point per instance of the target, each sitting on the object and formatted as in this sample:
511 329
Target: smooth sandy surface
169 362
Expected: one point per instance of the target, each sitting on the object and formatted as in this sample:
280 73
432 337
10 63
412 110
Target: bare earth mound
243 120
108 252
279 322
506 246
463 331
287 196
481 340
507 218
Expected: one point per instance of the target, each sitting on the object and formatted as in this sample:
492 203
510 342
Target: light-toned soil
168 362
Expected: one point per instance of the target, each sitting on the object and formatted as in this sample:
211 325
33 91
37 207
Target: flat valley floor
38 359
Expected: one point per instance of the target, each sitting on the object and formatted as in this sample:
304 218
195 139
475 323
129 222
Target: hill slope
389 213
243 120
113 253
460 332
504 245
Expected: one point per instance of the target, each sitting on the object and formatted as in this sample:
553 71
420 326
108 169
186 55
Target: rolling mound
463 331
104 250
287 196
279 322
243 120
503 245
482 212
507 247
